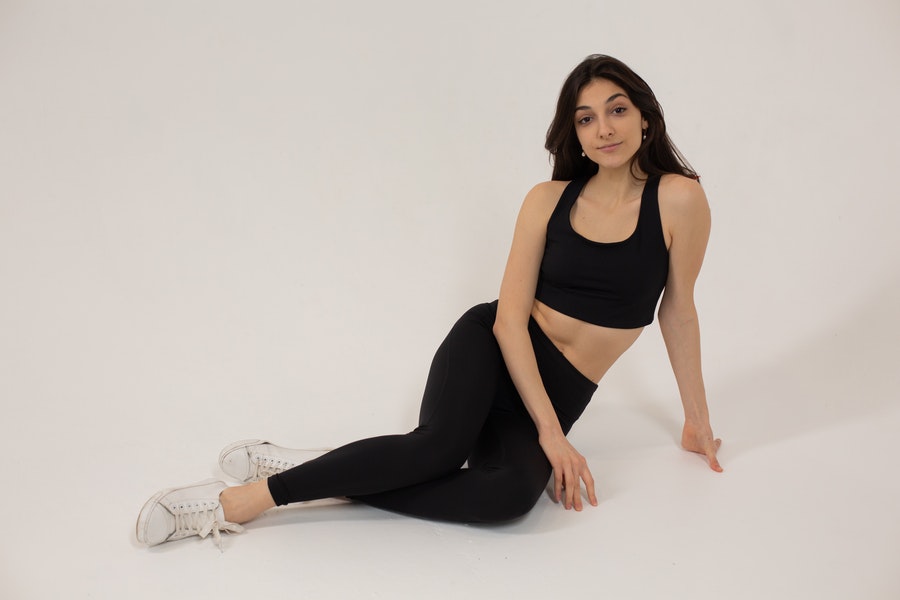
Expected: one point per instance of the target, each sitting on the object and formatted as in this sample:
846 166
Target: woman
623 219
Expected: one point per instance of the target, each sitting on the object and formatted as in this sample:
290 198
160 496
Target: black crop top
611 284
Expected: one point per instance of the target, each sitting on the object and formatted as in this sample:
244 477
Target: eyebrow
608 100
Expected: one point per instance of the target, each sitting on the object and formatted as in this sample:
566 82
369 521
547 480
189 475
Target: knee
509 497
435 455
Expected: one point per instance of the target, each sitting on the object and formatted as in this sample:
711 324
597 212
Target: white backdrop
261 218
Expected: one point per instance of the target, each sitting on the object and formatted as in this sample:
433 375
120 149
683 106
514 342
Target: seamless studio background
222 220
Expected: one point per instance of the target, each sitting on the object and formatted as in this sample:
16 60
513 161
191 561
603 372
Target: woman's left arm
685 214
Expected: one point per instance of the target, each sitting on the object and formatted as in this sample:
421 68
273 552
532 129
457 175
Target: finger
584 475
712 458
589 487
576 497
573 491
557 485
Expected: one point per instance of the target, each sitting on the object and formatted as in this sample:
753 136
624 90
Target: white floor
186 259
807 506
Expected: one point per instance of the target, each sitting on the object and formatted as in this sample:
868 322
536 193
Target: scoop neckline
637 225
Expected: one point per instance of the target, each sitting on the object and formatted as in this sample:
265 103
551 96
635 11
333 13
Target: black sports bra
615 284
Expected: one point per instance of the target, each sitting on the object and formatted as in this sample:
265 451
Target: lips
609 147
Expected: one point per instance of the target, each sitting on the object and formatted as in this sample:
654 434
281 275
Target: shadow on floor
847 372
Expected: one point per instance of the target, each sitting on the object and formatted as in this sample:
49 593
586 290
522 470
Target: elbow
507 322
675 317
500 327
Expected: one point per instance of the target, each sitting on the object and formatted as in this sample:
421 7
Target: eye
584 120
619 110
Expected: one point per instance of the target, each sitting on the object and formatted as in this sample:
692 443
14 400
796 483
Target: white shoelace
266 465
202 522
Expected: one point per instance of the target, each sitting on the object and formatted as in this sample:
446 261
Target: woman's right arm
511 330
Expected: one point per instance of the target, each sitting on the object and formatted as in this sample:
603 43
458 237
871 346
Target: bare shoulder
681 197
542 199
547 191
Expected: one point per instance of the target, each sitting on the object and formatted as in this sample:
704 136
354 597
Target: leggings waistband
568 388
539 338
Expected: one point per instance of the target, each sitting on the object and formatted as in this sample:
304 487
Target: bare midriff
592 349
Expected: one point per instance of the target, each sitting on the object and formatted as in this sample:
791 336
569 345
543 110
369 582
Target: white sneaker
252 460
181 512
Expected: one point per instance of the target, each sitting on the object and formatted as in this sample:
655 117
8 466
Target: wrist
696 414
699 429
550 431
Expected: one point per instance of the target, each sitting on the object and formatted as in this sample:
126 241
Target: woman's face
609 127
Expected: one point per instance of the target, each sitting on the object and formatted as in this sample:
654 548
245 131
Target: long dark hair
657 154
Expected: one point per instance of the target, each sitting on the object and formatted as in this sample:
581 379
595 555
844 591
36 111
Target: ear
644 124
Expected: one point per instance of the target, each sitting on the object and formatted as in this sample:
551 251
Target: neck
618 184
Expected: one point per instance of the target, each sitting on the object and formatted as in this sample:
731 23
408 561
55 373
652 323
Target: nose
604 128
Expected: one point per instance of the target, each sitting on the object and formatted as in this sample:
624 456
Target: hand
569 470
700 440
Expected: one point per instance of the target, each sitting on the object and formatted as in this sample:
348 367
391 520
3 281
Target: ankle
246 502
226 501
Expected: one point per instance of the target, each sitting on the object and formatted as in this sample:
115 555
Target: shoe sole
144 515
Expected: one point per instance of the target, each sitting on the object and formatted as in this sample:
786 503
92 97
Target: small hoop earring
583 154
645 135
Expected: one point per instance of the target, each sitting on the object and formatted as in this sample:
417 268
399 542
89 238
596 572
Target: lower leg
507 474
465 376
244 503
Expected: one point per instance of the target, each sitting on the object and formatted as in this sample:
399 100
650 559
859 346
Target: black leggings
470 411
